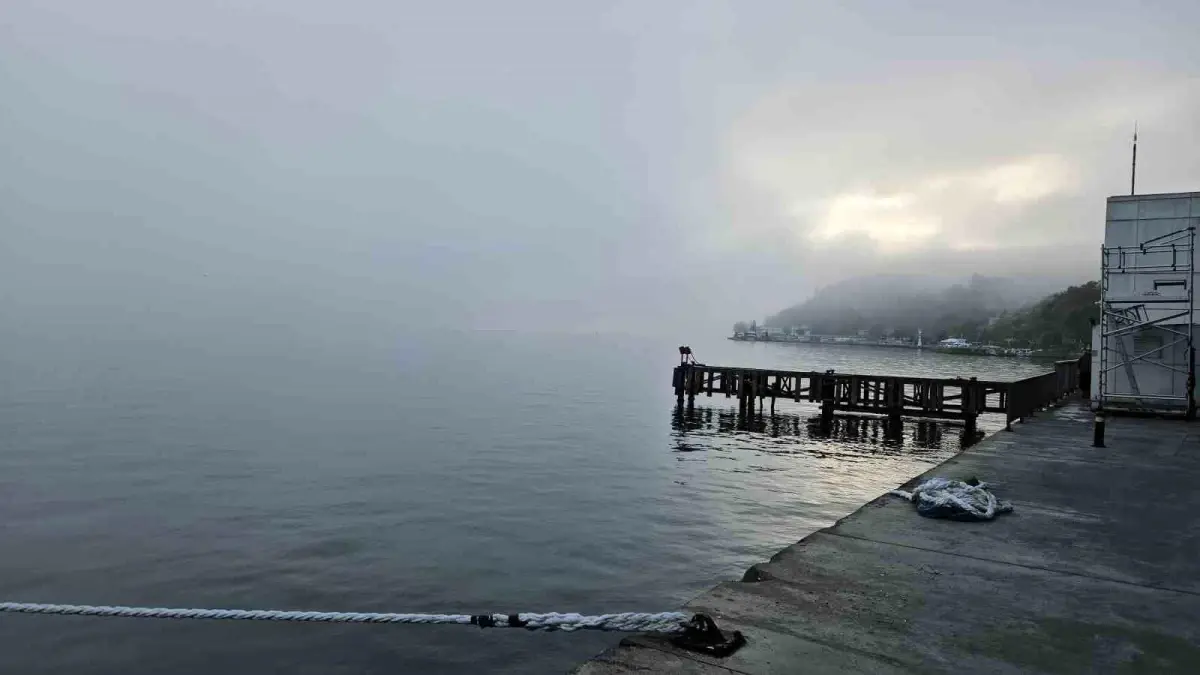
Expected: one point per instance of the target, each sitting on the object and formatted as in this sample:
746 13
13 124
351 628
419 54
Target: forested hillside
984 309
900 305
1061 320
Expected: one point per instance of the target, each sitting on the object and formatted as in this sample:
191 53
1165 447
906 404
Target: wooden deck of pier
942 398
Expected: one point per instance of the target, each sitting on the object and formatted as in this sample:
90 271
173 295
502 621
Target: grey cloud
554 165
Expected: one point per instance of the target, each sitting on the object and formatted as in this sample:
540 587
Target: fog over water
372 305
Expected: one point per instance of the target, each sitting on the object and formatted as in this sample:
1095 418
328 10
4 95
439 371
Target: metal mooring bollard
1098 431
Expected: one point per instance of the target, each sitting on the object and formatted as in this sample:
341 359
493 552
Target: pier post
751 387
1006 400
827 392
1098 430
778 386
894 392
750 395
973 402
761 387
747 392
740 384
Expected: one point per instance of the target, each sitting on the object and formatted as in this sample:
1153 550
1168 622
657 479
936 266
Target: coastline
988 350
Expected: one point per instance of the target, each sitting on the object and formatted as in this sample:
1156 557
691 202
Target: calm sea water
457 472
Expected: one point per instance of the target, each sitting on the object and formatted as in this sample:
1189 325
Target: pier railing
1028 395
945 398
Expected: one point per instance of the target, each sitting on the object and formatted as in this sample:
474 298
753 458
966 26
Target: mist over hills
899 305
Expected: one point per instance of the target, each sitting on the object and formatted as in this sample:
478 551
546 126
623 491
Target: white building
1142 347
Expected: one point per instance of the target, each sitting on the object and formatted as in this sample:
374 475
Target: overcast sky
655 166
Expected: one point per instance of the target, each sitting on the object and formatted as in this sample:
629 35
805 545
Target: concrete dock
1096 571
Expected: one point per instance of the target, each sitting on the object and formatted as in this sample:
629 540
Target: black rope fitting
483 620
702 636
489 621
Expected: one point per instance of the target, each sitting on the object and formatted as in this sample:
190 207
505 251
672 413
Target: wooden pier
896 397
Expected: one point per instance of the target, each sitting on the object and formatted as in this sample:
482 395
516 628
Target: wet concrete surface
1096 571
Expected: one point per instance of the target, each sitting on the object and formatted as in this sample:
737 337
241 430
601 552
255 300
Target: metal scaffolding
1166 308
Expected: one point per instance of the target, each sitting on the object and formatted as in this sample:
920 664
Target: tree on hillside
1062 320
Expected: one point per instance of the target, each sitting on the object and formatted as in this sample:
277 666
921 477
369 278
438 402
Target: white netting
955 499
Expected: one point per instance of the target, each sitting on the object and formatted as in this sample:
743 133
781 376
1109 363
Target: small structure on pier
1144 341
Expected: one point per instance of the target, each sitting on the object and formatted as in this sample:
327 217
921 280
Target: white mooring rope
637 622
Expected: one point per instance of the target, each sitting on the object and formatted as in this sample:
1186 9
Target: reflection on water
701 428
765 480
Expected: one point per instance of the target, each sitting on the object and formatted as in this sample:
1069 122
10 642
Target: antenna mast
1133 167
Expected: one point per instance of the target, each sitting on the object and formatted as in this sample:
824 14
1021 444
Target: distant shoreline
847 341
988 350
